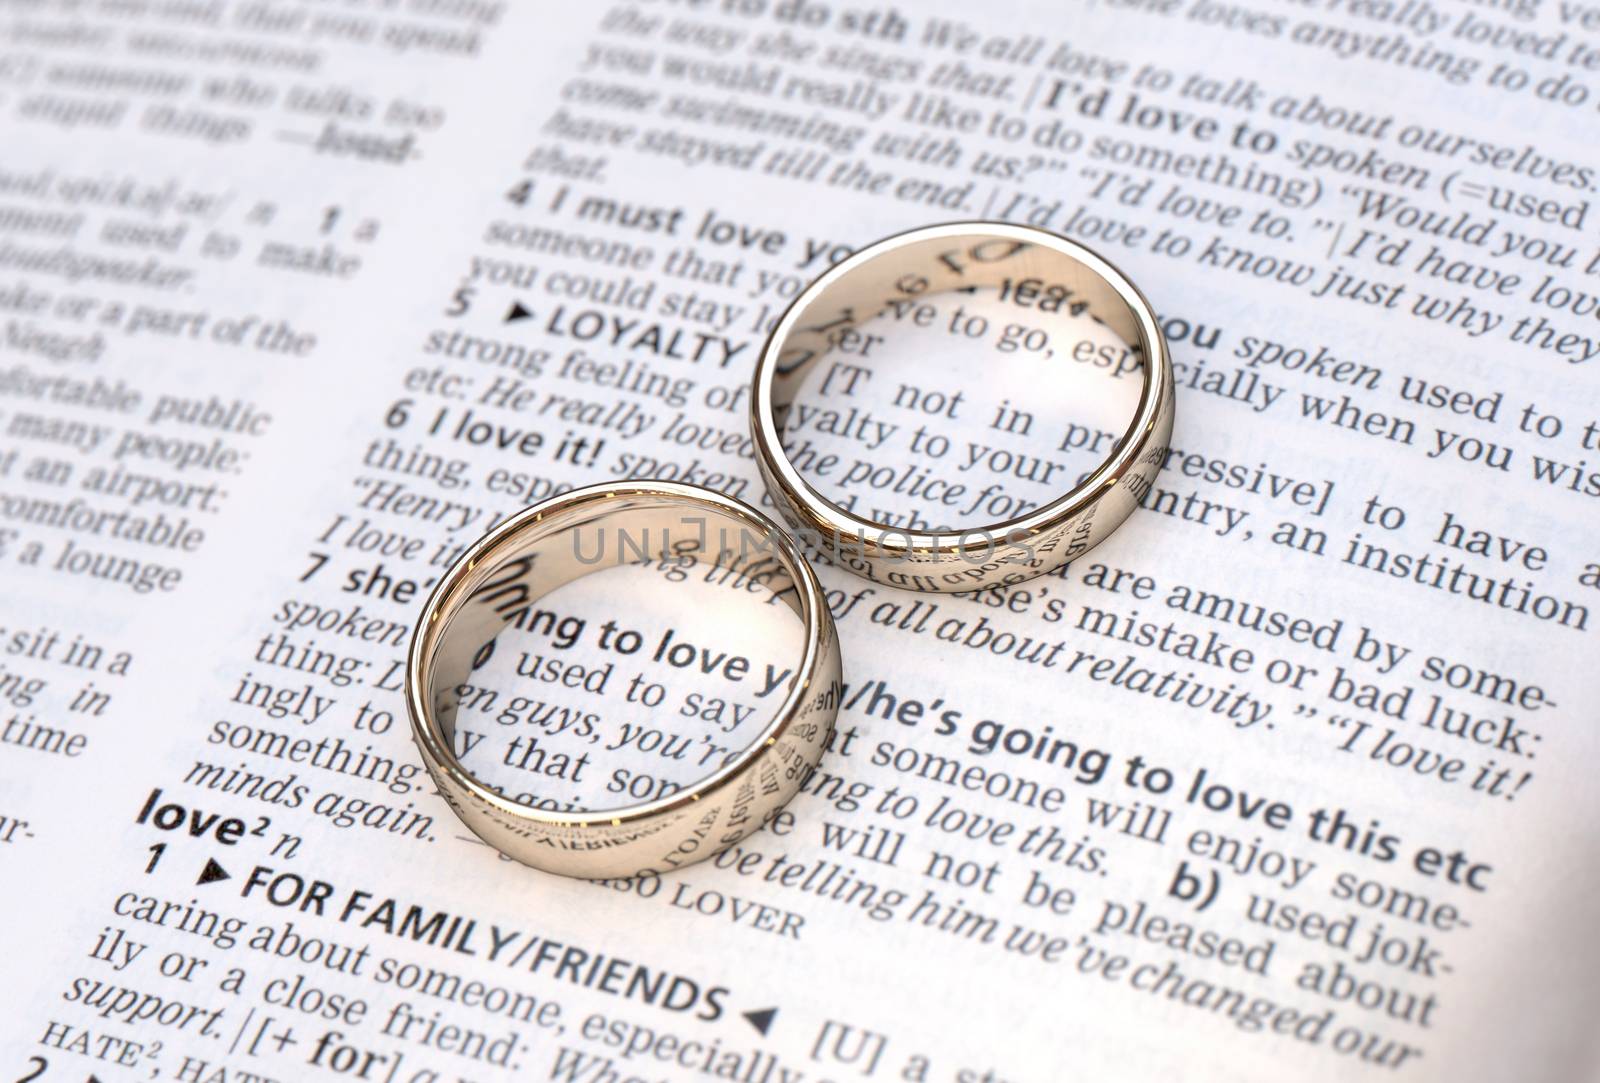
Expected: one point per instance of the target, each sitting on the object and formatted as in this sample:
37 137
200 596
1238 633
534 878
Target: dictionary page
1292 778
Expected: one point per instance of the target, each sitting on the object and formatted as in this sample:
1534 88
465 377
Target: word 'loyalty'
852 424
591 325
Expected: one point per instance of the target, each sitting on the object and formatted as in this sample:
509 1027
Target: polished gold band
921 263
555 542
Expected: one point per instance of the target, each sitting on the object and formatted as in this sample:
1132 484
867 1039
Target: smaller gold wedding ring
560 540
916 265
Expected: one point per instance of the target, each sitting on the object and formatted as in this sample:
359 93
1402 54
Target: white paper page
1290 779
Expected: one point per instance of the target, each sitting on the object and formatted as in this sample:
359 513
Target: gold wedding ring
824 322
572 535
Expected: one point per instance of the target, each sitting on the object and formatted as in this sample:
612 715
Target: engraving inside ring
615 660
959 386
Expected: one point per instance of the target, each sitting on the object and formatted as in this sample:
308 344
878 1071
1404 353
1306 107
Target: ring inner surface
1050 294
657 531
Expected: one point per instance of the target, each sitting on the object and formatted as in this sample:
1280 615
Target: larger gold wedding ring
824 323
557 541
